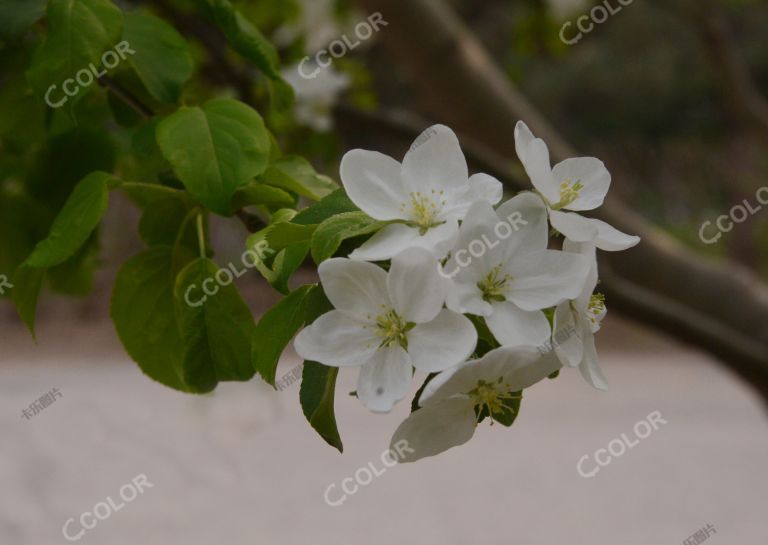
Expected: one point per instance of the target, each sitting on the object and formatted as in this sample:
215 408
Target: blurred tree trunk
720 307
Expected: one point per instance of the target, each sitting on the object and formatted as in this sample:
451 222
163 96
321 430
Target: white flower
510 280
317 90
582 316
574 184
452 402
388 323
427 195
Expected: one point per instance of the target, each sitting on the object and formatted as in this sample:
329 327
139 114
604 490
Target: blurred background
671 94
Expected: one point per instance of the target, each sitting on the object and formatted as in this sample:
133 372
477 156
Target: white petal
385 380
613 240
444 342
372 181
543 279
581 229
588 250
539 169
336 340
477 249
593 176
395 238
434 429
426 397
482 187
513 326
466 298
416 288
523 138
519 367
566 340
526 213
435 161
486 188
356 288
573 226
589 367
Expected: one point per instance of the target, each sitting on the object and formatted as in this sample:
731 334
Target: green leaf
79 32
332 232
284 234
161 221
162 59
245 38
75 276
276 329
215 149
80 216
261 194
295 174
143 311
27 283
286 263
318 388
16 16
248 41
143 195
330 205
68 158
216 328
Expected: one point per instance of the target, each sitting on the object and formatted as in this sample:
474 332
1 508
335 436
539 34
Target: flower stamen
569 192
494 285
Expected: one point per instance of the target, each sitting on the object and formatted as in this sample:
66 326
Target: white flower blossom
452 402
387 322
426 196
582 315
315 95
575 184
513 278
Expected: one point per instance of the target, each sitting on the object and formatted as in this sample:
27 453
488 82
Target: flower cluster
463 291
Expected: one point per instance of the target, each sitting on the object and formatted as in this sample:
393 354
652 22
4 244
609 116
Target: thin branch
126 96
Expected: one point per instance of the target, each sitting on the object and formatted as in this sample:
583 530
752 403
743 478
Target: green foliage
17 15
79 32
278 326
215 149
333 231
143 310
294 173
162 59
163 127
81 214
216 329
318 389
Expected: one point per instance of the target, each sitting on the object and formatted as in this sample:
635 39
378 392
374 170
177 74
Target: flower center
493 396
392 328
596 308
569 192
494 285
424 209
